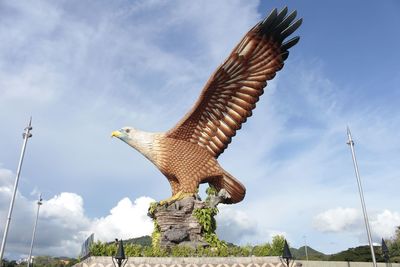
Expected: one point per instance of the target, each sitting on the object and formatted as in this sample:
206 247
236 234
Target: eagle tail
235 189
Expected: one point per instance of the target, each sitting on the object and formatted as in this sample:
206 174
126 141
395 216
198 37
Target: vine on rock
205 217
156 235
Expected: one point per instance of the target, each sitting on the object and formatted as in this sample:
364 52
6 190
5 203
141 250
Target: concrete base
344 264
220 262
186 262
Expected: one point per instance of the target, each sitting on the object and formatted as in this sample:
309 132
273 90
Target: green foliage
214 241
152 208
211 191
44 261
154 252
148 251
205 217
133 250
275 248
278 242
262 250
103 249
361 253
313 255
143 240
156 235
7 263
394 246
222 250
182 251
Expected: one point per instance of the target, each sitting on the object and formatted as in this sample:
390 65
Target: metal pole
305 247
353 154
34 229
25 135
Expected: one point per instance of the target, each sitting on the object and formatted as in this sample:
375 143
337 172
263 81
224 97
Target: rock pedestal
177 224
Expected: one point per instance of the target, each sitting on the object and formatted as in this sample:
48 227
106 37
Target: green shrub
205 217
156 235
182 251
240 251
278 242
262 250
133 250
102 249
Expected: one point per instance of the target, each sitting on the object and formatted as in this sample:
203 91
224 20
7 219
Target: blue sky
84 69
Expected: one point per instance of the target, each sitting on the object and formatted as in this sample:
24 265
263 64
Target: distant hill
143 240
361 253
300 254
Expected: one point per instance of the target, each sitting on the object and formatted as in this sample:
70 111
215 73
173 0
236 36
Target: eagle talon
178 196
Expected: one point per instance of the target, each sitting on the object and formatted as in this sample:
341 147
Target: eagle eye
127 130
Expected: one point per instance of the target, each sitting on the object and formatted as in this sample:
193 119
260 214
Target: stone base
177 224
189 262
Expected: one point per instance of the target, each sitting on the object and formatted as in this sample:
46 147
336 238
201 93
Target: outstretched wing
232 91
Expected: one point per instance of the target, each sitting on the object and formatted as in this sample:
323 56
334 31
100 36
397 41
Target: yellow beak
116 134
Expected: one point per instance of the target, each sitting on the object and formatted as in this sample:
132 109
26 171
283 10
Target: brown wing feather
233 90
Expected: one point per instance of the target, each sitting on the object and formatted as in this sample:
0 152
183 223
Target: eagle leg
178 196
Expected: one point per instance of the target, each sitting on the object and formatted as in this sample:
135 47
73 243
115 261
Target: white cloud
384 224
336 220
63 224
126 220
235 226
66 209
243 227
340 220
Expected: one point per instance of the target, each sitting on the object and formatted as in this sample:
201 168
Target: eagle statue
187 154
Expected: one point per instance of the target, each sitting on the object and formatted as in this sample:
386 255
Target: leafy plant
211 191
205 217
152 208
394 246
218 250
156 235
278 242
262 250
102 249
133 250
182 251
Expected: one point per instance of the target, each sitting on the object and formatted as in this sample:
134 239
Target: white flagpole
353 154
25 135
34 229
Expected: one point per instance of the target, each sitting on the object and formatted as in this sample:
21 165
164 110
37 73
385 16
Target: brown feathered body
187 154
186 165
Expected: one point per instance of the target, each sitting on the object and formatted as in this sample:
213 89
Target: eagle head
139 140
125 134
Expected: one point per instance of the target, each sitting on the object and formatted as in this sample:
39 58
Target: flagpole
34 229
305 247
27 134
353 154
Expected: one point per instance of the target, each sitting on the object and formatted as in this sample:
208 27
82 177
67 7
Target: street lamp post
287 255
119 260
27 134
39 203
385 251
353 154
